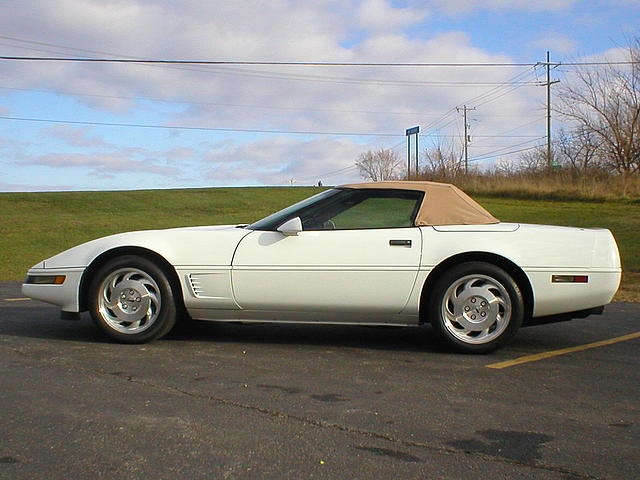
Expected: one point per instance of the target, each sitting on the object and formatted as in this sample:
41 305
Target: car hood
204 245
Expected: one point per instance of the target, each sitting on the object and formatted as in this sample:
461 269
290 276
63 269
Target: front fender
210 246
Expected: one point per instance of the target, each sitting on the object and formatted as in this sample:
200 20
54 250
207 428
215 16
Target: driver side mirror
291 227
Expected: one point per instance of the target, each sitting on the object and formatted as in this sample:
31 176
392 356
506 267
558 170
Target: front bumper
66 295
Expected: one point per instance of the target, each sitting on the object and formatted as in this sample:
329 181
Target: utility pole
548 85
466 136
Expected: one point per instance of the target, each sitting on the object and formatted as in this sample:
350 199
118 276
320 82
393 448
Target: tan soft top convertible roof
443 203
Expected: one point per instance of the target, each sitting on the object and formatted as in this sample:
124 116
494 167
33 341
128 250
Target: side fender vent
210 284
196 283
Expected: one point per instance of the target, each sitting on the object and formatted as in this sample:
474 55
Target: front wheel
475 307
131 300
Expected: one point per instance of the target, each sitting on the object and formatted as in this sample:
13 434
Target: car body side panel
540 251
332 271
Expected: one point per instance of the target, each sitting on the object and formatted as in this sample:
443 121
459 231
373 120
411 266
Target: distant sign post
411 131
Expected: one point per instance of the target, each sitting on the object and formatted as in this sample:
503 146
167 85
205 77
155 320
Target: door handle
400 243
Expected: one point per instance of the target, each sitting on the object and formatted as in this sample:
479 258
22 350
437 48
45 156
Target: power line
593 64
215 129
270 75
499 151
64 47
228 129
351 169
255 73
505 153
485 157
490 96
484 95
261 62
326 79
321 78
499 92
507 91
504 133
301 63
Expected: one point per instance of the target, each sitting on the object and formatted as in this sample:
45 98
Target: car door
356 255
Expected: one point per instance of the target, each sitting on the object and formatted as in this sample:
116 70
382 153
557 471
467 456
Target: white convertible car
387 253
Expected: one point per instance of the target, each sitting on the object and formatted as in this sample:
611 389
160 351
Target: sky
112 126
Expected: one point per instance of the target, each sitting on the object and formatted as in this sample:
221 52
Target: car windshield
276 219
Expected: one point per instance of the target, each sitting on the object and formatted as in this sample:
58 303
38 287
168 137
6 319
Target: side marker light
569 278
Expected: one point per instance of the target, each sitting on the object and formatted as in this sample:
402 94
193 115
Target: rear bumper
557 298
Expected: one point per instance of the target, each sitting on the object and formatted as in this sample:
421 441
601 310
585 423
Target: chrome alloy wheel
129 300
476 309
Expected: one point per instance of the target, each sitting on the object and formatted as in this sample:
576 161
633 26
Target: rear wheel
131 300
476 307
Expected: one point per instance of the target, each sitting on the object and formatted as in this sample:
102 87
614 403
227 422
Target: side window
365 208
381 212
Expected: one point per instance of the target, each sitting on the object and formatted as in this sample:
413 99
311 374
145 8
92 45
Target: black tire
475 307
131 300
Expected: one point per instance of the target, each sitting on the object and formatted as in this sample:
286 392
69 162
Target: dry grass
559 185
629 290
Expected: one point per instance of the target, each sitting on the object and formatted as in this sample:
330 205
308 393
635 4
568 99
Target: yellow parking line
555 353
16 299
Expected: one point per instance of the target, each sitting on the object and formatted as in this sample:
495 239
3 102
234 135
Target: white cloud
558 43
75 136
466 6
617 54
276 161
379 15
104 164
27 187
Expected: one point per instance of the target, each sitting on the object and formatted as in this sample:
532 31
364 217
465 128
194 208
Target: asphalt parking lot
262 401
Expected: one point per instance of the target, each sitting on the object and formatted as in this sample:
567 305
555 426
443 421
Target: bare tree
533 160
580 151
442 162
379 166
505 168
605 101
